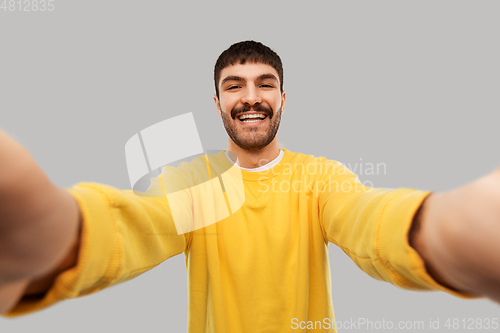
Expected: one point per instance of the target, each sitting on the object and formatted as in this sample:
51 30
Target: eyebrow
267 76
231 78
239 78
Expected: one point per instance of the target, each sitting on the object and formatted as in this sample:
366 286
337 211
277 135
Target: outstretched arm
39 225
57 244
457 234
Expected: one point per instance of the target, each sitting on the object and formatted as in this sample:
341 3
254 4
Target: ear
283 100
217 105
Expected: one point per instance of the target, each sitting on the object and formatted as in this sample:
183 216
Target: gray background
413 85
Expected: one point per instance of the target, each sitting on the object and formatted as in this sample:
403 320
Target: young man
252 267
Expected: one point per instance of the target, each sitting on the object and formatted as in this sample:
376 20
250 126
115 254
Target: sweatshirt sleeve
372 227
122 236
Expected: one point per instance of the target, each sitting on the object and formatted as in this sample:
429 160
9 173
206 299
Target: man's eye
266 86
232 87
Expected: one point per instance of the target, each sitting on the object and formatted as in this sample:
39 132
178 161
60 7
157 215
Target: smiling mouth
252 118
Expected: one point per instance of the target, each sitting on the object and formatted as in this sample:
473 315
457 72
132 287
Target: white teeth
252 121
255 115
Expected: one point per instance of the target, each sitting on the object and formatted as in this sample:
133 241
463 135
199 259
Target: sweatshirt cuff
401 261
98 260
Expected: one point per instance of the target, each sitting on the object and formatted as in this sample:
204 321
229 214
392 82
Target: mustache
256 107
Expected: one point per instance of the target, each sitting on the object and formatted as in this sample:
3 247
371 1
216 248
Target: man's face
250 104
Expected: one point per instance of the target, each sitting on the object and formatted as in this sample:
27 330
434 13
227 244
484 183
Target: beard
250 138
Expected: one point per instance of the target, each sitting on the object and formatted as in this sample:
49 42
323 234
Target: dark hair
250 51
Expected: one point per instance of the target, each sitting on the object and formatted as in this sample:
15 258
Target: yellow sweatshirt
256 252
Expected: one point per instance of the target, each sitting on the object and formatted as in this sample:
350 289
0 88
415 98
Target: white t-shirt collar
261 168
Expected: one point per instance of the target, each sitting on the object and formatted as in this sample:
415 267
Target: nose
251 96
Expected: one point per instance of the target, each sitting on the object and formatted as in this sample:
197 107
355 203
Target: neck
255 158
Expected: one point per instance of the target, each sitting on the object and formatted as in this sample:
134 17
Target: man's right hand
39 226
